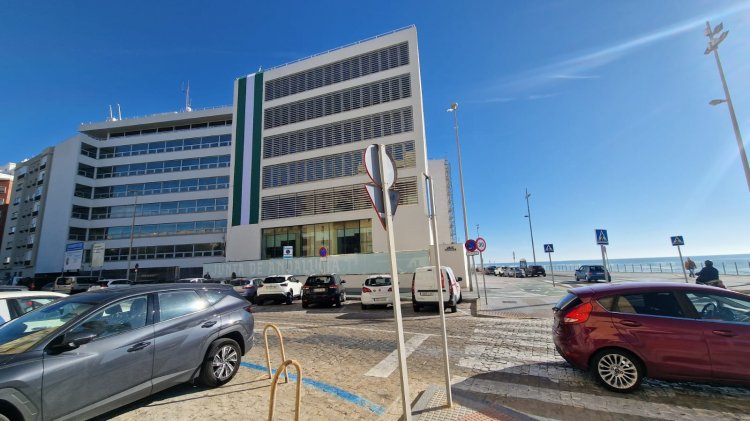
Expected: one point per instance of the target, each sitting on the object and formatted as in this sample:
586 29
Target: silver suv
73 284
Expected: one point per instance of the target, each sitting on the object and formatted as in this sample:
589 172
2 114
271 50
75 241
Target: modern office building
282 169
6 186
153 190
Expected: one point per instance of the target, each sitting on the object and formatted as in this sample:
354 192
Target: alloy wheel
618 371
225 362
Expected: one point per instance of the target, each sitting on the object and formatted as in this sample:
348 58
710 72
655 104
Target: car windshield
274 280
319 280
378 282
23 333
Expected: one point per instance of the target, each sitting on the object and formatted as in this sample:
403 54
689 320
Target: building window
347 237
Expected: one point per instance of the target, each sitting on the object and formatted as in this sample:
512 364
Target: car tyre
417 307
4 417
305 304
454 308
460 298
289 298
337 302
617 370
259 301
221 364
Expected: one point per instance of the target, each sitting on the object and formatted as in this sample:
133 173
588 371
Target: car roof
382 275
113 293
29 294
635 287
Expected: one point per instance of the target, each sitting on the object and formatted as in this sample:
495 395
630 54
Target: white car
377 290
17 303
191 280
111 283
279 288
424 288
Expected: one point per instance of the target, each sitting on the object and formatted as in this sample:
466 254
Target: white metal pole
551 269
683 265
484 281
454 108
604 263
405 395
439 281
531 232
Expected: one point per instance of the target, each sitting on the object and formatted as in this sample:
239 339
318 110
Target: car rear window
274 280
319 280
597 268
566 301
378 282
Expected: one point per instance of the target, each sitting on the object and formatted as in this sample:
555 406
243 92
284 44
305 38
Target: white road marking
389 364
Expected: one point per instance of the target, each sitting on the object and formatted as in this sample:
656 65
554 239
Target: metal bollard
272 403
268 356
724 268
736 269
670 268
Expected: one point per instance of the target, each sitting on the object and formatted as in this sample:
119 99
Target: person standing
690 266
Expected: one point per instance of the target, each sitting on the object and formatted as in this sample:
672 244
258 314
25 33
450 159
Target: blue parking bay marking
327 388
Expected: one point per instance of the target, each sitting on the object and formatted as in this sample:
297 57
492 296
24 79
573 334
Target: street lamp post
713 46
454 110
130 248
528 215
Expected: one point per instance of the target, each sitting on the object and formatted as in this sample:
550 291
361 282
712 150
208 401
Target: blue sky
600 109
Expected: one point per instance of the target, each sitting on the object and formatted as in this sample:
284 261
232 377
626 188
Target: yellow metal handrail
272 403
268 356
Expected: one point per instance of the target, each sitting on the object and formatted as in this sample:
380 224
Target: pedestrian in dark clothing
207 275
708 273
234 275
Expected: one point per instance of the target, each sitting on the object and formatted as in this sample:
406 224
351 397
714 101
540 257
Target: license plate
426 293
319 290
378 299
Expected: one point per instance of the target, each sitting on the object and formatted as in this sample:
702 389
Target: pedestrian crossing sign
601 237
678 241
549 248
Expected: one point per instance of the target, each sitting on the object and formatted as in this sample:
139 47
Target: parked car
324 289
15 304
517 272
74 284
377 290
424 289
535 270
489 270
111 283
500 270
623 332
591 273
508 272
90 353
192 281
279 288
247 287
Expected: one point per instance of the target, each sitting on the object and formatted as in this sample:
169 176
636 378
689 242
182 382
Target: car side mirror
459 279
71 341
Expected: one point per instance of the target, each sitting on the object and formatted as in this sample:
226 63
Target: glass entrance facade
345 237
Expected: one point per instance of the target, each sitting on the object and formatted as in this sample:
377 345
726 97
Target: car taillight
332 286
590 273
365 289
442 280
307 287
249 309
578 314
249 286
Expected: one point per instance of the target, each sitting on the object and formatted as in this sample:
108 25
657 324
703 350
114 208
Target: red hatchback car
625 332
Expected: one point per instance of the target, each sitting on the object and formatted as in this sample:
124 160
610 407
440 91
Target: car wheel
4 418
259 301
454 308
337 303
417 307
289 298
460 298
587 279
221 364
343 295
305 304
617 370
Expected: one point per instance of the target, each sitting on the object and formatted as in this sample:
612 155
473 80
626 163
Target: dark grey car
93 352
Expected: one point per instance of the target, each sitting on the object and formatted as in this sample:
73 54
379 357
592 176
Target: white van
424 290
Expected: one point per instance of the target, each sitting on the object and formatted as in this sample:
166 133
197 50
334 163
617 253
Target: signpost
73 256
482 246
97 257
439 287
603 240
678 241
549 249
288 252
382 172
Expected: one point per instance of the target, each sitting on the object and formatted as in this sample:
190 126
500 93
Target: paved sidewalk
432 406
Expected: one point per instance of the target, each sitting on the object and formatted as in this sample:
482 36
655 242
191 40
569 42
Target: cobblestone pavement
495 363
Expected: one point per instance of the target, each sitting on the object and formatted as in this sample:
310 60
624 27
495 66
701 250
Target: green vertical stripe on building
256 150
239 150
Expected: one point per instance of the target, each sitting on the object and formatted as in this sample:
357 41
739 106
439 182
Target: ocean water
730 264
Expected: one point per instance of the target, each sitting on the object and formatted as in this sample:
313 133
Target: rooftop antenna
119 112
111 117
187 98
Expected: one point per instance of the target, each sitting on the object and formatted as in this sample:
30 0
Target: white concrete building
172 169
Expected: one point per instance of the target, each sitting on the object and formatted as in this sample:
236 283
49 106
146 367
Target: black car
87 354
323 289
535 270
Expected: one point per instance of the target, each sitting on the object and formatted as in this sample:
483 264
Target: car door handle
629 323
727 333
139 346
209 323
